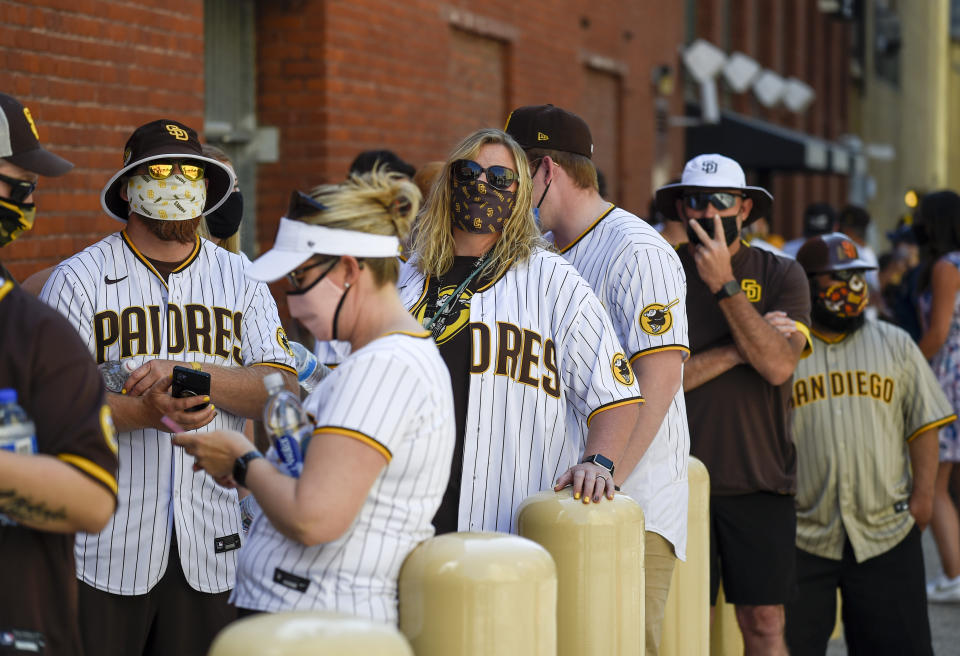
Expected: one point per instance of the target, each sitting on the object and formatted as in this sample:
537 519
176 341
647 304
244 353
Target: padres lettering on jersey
206 312
544 361
640 281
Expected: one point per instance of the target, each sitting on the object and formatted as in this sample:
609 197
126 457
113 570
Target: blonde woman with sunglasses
543 394
376 466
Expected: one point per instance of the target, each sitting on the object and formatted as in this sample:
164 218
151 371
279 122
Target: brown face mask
480 208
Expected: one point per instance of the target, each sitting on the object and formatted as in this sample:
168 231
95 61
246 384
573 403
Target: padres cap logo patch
621 369
33 126
656 318
284 342
177 132
108 428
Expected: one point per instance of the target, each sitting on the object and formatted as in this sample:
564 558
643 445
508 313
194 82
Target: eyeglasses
499 177
302 205
296 276
161 170
722 200
846 275
20 190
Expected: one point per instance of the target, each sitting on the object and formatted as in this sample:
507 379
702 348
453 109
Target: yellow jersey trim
409 333
277 365
615 404
5 288
803 330
660 349
934 424
92 470
829 340
591 227
357 435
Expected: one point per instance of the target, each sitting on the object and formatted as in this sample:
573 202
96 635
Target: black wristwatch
729 289
240 466
603 461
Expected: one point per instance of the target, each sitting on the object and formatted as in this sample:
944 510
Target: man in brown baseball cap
22 160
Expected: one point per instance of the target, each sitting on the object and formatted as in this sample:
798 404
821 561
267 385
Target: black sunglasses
20 190
722 200
302 205
499 177
296 275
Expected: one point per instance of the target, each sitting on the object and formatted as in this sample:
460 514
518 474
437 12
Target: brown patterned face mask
477 207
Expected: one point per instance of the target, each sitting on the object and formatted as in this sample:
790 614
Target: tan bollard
598 549
479 594
308 633
686 620
725 636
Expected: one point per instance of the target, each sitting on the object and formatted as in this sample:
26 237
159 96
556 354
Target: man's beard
182 231
827 319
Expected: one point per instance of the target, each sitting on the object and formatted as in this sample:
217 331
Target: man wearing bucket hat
638 277
867 409
748 312
154 296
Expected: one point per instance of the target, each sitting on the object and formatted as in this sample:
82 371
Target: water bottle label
23 445
289 451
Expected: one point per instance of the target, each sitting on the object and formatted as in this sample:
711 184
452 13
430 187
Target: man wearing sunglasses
640 281
867 409
156 296
62 479
749 312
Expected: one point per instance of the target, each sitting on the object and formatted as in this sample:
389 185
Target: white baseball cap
713 171
297 242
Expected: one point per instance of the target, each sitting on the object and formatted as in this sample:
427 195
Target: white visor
297 242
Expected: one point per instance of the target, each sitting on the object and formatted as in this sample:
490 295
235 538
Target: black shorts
753 548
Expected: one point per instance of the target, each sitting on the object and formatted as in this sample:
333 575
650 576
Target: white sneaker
944 590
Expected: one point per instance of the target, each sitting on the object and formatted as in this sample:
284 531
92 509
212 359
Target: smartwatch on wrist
603 461
240 466
729 289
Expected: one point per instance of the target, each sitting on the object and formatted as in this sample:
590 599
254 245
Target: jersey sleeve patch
621 369
656 318
109 429
284 342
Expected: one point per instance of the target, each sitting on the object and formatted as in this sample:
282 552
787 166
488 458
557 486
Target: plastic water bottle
17 432
115 373
309 371
287 424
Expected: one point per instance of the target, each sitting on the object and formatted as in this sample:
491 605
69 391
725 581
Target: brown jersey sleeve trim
356 435
615 404
91 469
276 365
658 349
934 424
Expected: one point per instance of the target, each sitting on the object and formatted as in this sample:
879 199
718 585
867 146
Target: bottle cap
273 382
8 395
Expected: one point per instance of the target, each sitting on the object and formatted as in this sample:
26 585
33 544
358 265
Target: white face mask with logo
172 199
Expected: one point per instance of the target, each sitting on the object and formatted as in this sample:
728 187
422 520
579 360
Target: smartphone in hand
190 382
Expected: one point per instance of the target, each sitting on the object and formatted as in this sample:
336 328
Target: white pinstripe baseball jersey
858 400
393 395
207 312
640 281
544 361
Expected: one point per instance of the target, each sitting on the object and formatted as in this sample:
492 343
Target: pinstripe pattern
394 395
158 489
858 400
631 267
519 437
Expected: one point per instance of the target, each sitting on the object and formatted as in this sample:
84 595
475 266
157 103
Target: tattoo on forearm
22 509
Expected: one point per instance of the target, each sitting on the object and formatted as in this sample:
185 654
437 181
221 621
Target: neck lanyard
448 304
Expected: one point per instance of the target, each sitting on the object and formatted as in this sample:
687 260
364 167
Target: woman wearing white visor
377 465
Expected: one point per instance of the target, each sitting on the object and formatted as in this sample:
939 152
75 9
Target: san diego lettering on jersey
836 384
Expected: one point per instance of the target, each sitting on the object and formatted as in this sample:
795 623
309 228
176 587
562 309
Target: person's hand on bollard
589 482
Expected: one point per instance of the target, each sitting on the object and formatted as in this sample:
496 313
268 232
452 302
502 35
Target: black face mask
920 234
730 231
225 221
827 319
15 219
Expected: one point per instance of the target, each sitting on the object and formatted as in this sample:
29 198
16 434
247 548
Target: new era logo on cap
546 126
542 137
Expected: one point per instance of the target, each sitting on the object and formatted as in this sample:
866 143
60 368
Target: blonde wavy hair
433 242
379 202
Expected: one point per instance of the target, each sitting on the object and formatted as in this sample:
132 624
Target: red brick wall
91 71
417 76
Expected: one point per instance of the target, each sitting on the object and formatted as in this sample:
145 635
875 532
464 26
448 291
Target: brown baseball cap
546 126
20 141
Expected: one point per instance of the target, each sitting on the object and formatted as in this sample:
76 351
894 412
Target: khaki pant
659 564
